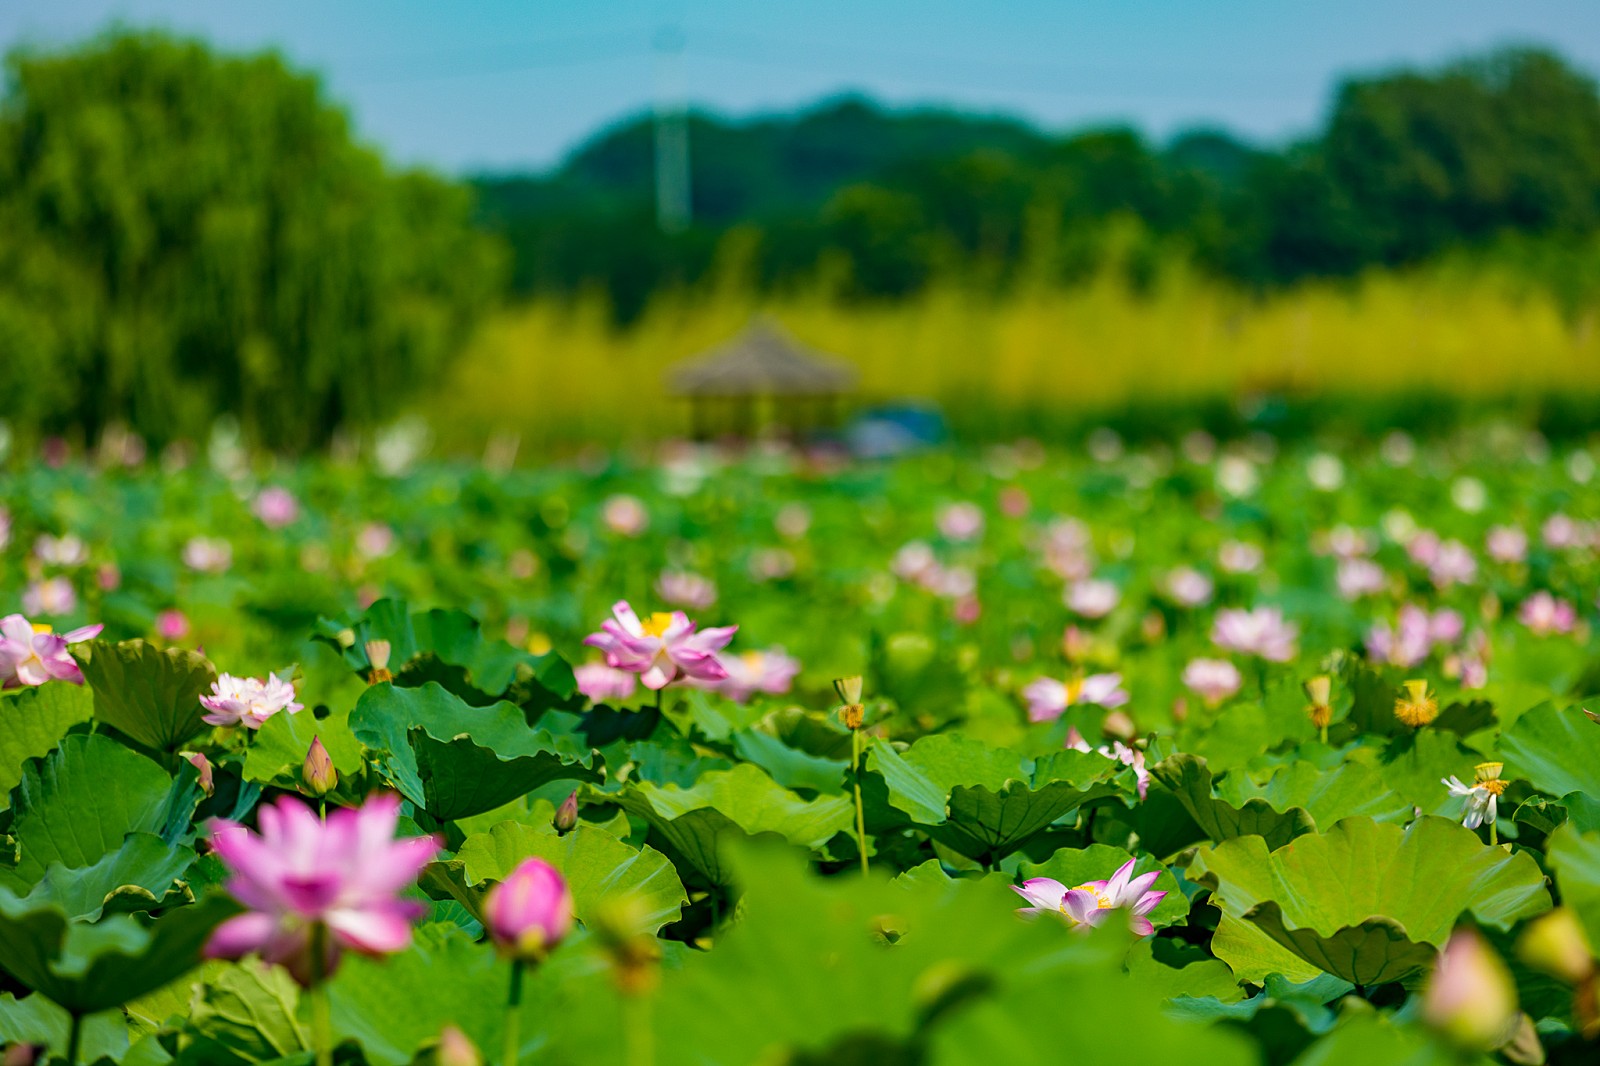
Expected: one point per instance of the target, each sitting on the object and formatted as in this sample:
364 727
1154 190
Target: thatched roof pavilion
762 379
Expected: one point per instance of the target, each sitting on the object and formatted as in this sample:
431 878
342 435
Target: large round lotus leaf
1555 751
1575 857
151 694
727 804
596 864
88 967
1364 901
33 720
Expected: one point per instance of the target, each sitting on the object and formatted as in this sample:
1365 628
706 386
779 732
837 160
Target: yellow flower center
1101 900
1074 687
656 624
43 627
1494 788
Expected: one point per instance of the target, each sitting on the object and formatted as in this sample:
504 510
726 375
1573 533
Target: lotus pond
1237 753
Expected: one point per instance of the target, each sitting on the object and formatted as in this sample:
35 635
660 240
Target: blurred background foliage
186 234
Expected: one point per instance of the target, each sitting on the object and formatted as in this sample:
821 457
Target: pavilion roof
764 360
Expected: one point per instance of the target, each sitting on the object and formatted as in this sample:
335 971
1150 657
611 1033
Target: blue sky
498 84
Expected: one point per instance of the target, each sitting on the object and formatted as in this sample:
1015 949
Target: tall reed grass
553 372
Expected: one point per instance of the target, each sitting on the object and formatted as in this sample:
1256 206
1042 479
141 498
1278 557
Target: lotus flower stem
74 1038
638 1032
1494 836
321 1024
514 1016
861 816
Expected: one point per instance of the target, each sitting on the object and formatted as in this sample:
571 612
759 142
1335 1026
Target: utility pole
672 133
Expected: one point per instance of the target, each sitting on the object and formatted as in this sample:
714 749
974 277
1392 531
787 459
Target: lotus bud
456 1049
1470 997
1076 645
1555 943
1416 707
22 1055
317 772
208 778
530 912
378 656
566 819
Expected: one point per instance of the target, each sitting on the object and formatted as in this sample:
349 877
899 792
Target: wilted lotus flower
172 624
1048 698
1453 565
208 555
1092 902
1507 544
1360 577
530 912
600 682
276 507
661 647
1213 680
31 654
66 550
1470 996
961 521
1416 706
299 872
771 671
683 589
625 515
1188 587
247 701
1482 795
1544 614
1262 631
53 595
202 766
1092 598
1239 557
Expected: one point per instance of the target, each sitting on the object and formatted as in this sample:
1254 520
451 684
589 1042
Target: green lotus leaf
279 747
727 804
1392 893
986 802
1374 1039
148 693
1189 779
788 766
36 1020
87 967
1097 862
454 638
138 876
33 720
76 805
1173 969
249 1012
456 760
597 866
1556 751
1575 857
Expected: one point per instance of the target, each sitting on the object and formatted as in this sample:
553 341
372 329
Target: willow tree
185 234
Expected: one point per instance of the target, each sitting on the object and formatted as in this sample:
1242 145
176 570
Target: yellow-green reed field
552 371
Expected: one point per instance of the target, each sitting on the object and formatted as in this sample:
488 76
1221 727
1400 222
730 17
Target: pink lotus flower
1048 698
913 561
276 507
1414 636
208 555
31 654
961 522
1507 544
1356 578
1560 531
1262 631
600 682
66 550
1470 996
1346 542
662 647
1092 598
108 577
1068 549
793 521
1453 565
171 624
5 528
247 701
1090 903
375 540
1214 680
1188 587
1544 614
1119 751
1240 557
683 589
771 671
529 912
299 872
52 596
624 515
1014 502
1423 547
771 564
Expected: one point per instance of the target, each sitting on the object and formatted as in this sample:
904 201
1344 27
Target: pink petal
240 935
374 931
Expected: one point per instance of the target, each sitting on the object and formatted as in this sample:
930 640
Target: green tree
185 234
